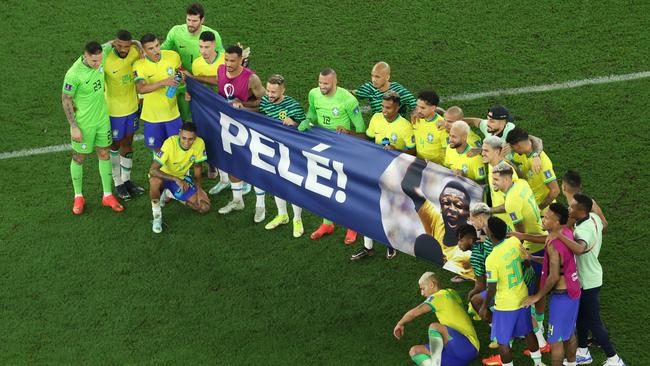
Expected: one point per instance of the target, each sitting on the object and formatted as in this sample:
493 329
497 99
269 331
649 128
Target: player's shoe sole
277 221
111 201
78 205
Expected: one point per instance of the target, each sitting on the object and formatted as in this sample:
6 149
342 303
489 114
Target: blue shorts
537 267
156 133
562 316
127 125
178 193
510 324
459 351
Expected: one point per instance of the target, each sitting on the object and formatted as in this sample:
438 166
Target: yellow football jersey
499 198
430 140
177 161
156 106
121 96
520 205
200 67
449 310
472 168
398 133
504 267
537 182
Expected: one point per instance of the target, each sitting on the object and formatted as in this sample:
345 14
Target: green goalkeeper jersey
341 109
180 40
86 86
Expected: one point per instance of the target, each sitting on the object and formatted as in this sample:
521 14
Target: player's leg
118 128
537 311
76 173
260 205
281 218
524 327
195 202
102 141
458 349
156 185
126 156
224 183
438 338
366 251
570 348
420 355
237 202
597 328
503 326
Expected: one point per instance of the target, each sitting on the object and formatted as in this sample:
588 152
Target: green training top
374 96
341 109
86 86
180 40
288 107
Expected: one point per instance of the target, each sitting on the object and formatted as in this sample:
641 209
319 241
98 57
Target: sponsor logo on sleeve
355 110
513 216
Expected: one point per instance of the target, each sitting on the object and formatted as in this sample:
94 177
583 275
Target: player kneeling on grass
169 171
452 340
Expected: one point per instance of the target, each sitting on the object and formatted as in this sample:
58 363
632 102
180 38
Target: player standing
336 109
90 129
428 128
456 155
452 340
123 106
154 75
380 83
169 170
275 104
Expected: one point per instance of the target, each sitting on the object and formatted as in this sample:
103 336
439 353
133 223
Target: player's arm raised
421 309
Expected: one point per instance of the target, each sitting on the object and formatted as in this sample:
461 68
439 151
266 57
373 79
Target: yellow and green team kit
398 133
176 161
86 86
520 205
499 198
432 139
449 309
180 40
340 109
472 167
200 67
121 96
536 181
504 267
156 107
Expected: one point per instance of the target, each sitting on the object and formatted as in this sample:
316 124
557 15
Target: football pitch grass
103 289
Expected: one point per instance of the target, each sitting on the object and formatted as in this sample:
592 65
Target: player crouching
169 171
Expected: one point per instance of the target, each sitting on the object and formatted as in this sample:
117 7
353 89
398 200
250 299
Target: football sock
105 175
282 206
537 357
126 162
77 173
435 346
115 167
539 334
327 222
367 242
223 176
507 364
237 190
259 198
155 209
297 212
421 359
567 363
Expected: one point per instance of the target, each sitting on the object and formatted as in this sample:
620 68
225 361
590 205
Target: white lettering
228 138
259 148
283 167
317 167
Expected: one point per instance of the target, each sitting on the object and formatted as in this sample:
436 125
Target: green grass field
103 289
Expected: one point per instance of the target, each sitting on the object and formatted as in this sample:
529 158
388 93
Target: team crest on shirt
430 137
393 136
170 71
548 174
282 115
151 141
465 169
335 112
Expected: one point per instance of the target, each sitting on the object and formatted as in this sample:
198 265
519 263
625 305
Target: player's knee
102 153
78 158
413 351
436 327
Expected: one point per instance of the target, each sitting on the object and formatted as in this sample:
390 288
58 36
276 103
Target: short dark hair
516 135
561 211
327 71
196 9
93 48
465 230
124 35
188 126
430 97
572 178
498 228
207 36
392 96
276 79
584 202
149 37
235 49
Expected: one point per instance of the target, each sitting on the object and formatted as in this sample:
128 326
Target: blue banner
391 197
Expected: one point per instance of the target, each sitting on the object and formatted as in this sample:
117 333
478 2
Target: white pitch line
467 96
548 87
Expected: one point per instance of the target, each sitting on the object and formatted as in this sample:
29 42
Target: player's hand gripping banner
391 197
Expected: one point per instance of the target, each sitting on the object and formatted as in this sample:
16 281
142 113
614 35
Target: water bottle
171 90
385 141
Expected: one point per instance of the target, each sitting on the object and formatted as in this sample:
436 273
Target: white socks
126 164
259 198
115 167
237 190
367 242
297 212
155 209
223 176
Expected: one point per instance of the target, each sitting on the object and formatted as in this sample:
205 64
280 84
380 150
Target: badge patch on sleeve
513 216
67 87
548 174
